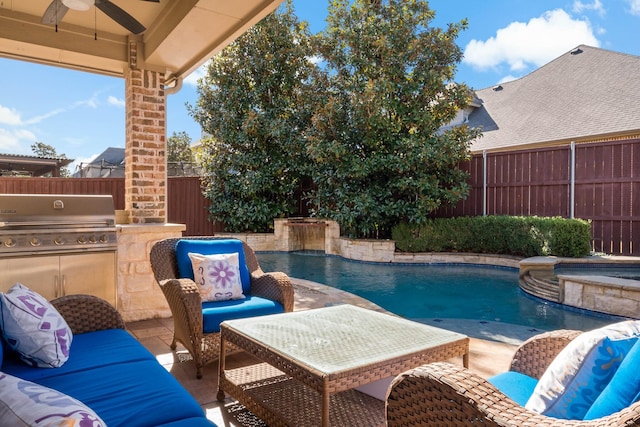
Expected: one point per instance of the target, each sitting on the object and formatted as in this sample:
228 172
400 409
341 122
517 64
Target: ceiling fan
58 8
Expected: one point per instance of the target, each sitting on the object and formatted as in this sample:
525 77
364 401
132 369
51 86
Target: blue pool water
435 291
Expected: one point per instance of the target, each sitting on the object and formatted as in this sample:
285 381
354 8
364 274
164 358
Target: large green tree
179 148
255 104
380 154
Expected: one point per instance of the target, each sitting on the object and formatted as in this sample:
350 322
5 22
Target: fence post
484 182
572 178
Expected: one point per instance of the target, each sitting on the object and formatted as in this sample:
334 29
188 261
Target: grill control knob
93 239
58 241
82 240
10 242
104 239
35 241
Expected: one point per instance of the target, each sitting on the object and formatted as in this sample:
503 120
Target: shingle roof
112 156
585 92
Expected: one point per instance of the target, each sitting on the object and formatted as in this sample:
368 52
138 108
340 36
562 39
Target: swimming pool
420 291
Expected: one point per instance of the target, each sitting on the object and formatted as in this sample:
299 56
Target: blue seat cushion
190 422
623 389
88 351
141 394
216 312
211 247
515 385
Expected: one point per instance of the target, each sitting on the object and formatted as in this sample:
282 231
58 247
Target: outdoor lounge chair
442 394
197 324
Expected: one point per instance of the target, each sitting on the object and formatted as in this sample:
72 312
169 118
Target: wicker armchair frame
441 394
88 313
186 304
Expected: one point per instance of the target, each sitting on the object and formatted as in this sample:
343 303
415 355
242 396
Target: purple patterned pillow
23 403
217 276
33 328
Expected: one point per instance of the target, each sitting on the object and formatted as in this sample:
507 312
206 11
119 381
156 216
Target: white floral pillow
23 403
217 276
33 328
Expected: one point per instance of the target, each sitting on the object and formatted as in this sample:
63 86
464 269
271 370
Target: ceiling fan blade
54 13
120 16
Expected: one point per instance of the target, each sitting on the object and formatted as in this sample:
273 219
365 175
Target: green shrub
504 235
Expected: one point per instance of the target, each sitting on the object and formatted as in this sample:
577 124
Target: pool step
543 288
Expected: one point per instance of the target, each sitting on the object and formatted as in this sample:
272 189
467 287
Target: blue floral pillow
622 391
577 376
23 403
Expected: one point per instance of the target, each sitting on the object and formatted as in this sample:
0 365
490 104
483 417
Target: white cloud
596 6
508 78
521 45
91 102
112 100
316 59
634 7
79 162
47 115
200 72
9 116
12 141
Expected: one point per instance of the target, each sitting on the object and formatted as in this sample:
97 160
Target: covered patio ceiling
179 35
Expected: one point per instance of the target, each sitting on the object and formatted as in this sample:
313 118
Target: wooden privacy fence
595 181
185 202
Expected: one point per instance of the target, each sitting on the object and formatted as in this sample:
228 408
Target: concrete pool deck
492 346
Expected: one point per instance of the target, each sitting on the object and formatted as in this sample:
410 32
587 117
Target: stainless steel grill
44 223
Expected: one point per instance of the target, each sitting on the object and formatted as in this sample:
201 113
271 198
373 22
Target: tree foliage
255 104
179 148
379 155
41 149
366 127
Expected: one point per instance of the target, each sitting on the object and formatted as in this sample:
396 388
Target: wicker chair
441 394
186 304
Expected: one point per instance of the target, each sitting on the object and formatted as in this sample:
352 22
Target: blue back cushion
515 385
88 351
622 390
211 247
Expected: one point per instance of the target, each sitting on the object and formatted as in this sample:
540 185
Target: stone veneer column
145 159
139 296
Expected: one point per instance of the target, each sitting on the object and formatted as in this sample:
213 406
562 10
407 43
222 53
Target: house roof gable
584 93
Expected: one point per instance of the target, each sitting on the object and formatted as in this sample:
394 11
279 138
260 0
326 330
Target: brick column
145 158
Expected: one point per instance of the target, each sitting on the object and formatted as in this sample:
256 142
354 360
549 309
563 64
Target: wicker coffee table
314 359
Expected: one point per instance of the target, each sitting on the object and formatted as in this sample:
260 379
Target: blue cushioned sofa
111 372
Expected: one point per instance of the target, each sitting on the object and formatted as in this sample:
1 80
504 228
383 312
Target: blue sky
81 114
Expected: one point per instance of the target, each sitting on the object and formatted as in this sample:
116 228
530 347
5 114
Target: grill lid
20 211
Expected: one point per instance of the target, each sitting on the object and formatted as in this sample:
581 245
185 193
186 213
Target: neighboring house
563 140
587 94
21 165
110 164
